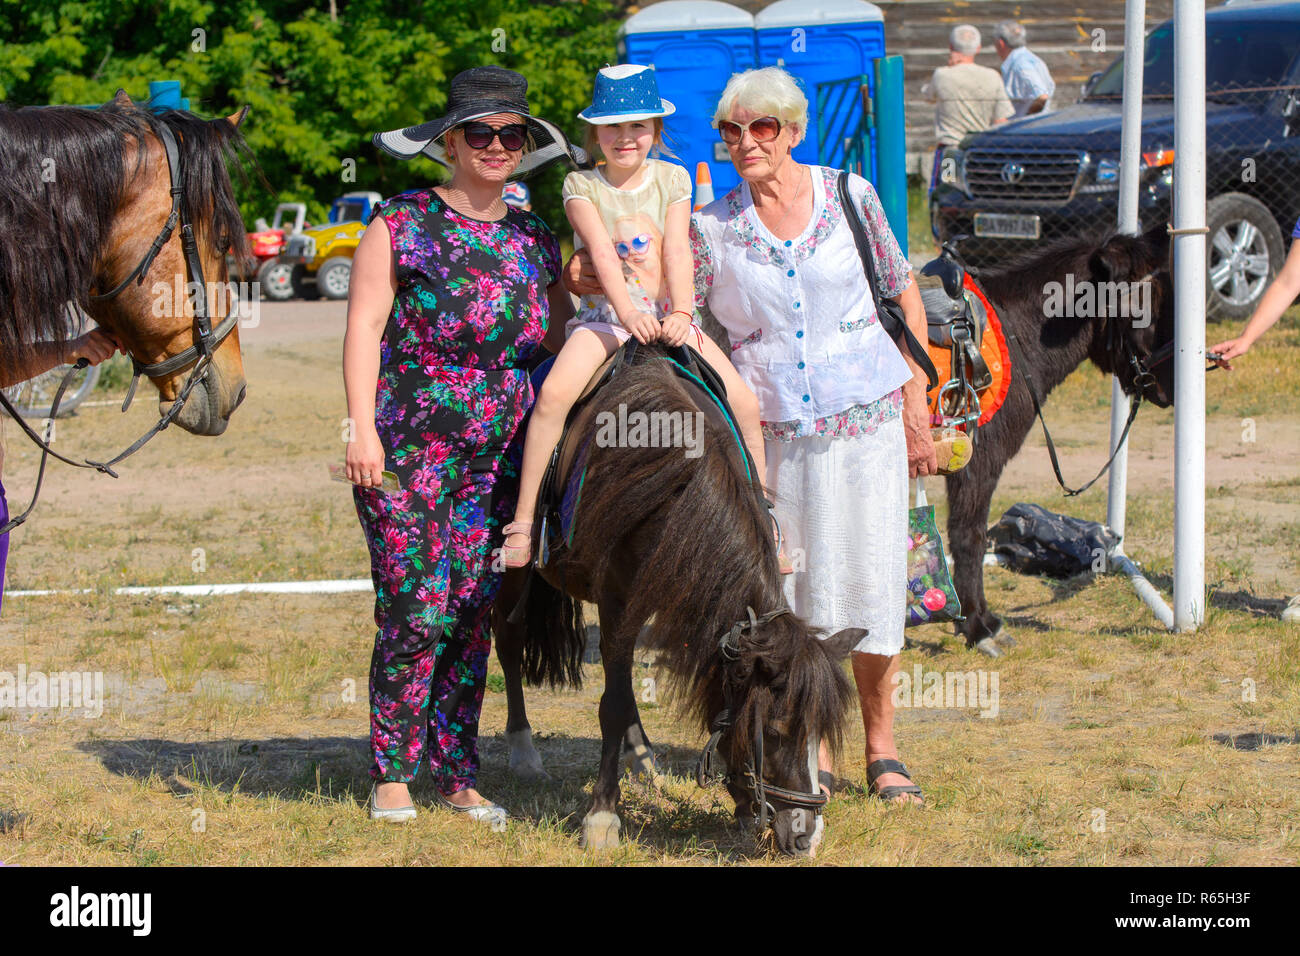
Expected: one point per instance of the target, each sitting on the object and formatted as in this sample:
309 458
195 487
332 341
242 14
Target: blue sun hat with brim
625 93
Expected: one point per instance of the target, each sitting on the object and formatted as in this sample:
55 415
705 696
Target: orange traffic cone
703 185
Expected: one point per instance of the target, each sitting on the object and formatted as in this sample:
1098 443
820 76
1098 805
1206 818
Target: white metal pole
1130 152
1189 310
1129 169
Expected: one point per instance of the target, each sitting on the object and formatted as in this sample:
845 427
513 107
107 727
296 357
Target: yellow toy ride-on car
318 261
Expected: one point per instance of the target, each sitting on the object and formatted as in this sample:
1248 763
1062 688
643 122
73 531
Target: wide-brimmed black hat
476 93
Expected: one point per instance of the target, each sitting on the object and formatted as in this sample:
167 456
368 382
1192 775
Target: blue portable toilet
694 46
820 41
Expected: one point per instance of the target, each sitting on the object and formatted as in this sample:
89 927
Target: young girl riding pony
633 215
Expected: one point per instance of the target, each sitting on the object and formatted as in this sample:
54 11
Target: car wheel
275 280
1243 250
333 277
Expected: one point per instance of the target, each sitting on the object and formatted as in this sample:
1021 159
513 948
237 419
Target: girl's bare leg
582 354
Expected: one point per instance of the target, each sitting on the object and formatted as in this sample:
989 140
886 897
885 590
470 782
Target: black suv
1057 174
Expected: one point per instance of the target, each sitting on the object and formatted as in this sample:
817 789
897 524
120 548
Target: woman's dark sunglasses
764 130
480 135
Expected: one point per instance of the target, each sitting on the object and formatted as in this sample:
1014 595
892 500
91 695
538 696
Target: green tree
319 83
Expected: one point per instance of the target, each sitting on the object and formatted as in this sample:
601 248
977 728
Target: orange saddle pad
993 348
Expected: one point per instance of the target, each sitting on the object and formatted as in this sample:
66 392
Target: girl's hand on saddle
643 326
675 329
365 458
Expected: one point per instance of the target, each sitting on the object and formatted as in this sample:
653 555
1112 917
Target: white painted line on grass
208 590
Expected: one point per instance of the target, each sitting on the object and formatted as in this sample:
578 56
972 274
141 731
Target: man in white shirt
969 98
1028 82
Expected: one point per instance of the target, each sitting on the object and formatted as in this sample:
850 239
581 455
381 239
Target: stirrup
518 557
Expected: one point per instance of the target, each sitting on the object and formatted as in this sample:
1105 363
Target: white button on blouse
803 329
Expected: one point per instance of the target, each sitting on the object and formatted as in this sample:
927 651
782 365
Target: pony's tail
554 637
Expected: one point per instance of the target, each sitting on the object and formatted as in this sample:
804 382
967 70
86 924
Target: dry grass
235 727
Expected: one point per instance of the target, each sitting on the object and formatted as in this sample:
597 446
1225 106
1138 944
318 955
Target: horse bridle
751 774
1143 377
208 339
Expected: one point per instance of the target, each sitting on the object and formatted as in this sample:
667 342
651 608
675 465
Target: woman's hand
95 346
1231 349
643 326
675 329
580 275
922 459
365 457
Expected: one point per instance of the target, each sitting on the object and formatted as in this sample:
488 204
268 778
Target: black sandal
826 780
891 794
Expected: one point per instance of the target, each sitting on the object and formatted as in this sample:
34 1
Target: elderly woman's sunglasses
480 135
764 130
634 246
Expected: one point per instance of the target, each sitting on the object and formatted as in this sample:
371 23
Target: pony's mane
70 173
1022 276
712 556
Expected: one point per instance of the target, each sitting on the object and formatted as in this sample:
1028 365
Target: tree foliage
319 81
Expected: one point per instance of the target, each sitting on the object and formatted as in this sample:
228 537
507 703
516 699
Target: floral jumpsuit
453 388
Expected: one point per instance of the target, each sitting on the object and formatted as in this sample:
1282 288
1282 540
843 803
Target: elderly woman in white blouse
843 408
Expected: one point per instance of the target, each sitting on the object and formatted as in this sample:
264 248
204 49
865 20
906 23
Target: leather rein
1143 376
751 775
207 339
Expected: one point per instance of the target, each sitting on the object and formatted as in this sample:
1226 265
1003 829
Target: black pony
1045 347
675 548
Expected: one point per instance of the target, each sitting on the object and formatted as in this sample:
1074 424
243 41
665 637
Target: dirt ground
249 711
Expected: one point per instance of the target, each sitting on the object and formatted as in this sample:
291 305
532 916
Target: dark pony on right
1044 349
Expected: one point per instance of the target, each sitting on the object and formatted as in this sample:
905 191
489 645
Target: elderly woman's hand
922 459
580 275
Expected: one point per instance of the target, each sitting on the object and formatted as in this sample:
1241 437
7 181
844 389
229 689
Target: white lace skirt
842 504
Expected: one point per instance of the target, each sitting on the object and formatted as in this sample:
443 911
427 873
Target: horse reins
203 349
752 773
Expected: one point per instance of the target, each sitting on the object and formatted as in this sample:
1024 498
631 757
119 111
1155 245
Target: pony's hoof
531 774
600 830
525 761
988 647
1003 637
1292 613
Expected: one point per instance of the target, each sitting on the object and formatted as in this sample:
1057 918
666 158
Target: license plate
996 225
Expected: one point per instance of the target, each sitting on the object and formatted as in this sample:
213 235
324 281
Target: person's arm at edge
1277 298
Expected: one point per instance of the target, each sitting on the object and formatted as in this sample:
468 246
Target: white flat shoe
391 814
490 814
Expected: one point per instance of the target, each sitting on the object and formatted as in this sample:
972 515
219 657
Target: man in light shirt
969 98
1028 82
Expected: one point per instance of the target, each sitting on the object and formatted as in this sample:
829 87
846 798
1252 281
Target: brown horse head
100 196
154 320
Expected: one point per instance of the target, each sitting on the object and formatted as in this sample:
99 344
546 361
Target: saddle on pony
561 489
966 344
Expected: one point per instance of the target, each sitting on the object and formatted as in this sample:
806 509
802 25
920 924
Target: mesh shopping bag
931 597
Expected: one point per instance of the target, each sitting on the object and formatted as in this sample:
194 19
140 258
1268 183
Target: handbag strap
896 327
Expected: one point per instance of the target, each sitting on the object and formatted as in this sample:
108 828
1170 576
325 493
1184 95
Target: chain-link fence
1036 178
